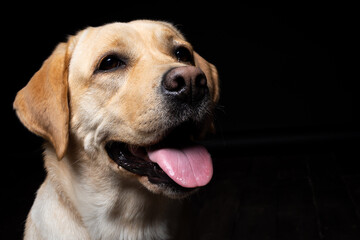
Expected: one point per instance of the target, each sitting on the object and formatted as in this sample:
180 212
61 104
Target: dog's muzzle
175 160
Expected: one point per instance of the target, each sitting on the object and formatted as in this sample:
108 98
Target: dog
121 107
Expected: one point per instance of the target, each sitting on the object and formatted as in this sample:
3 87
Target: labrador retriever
120 107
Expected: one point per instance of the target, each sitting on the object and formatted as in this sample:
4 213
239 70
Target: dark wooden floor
311 194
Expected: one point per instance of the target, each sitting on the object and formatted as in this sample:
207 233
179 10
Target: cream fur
86 195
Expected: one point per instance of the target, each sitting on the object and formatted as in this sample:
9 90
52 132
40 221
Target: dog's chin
135 159
173 191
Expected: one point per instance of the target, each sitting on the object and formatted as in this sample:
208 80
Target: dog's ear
42 105
211 75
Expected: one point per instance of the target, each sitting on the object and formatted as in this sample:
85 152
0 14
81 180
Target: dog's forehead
94 42
132 33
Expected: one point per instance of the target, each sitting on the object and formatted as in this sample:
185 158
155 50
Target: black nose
187 84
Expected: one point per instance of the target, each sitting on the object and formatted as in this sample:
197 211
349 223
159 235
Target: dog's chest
113 229
117 217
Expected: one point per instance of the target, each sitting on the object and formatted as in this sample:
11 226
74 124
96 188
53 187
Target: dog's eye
183 54
110 62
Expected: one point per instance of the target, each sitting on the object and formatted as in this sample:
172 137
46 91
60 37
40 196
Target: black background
287 72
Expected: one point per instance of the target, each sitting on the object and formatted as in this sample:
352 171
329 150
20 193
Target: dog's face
135 96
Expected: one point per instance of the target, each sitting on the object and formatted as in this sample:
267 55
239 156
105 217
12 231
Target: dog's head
135 95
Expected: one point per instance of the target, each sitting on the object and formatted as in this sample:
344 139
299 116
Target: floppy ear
42 105
211 75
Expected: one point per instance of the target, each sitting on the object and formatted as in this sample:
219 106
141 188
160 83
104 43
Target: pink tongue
189 167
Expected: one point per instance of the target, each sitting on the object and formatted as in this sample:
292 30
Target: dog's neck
110 208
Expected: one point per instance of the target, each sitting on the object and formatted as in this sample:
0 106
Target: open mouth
175 161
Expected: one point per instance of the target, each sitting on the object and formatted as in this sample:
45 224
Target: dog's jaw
107 207
175 166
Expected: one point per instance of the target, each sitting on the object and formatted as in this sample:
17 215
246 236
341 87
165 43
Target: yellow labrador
120 107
